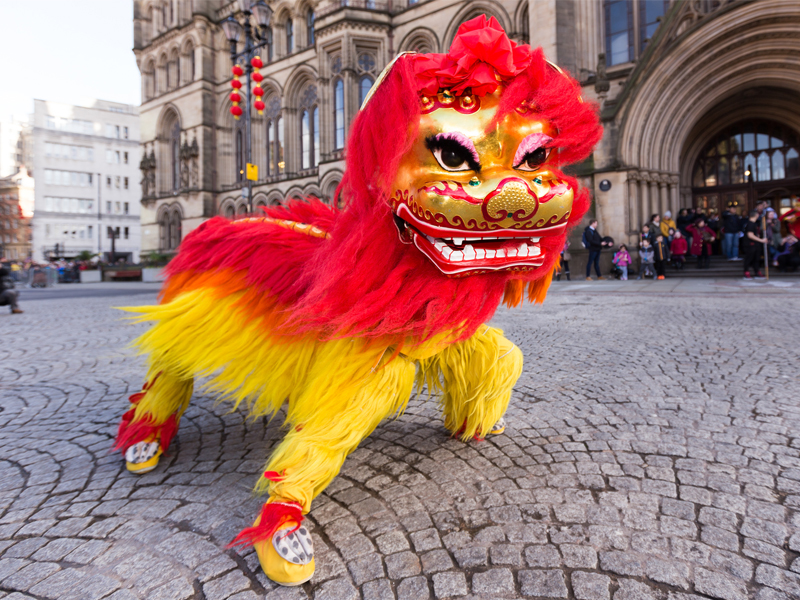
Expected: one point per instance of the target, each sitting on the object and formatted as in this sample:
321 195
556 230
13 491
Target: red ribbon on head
480 55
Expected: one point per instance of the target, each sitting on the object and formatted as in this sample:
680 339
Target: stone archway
689 78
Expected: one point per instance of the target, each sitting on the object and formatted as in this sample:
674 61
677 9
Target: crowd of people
664 242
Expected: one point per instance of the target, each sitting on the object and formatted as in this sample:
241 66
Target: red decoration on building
236 110
258 91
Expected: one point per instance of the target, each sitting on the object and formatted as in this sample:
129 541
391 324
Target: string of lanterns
236 110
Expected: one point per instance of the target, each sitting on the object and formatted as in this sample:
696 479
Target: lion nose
512 196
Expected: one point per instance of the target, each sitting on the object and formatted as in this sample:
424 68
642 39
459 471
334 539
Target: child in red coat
678 249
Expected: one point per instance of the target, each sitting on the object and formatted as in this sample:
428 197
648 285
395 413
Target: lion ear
384 74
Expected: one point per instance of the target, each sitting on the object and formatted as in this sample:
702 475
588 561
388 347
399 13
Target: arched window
149 81
364 85
175 233
761 147
268 47
619 31
275 164
192 65
309 129
177 70
338 114
310 18
305 140
164 16
239 156
744 163
315 133
175 155
230 212
289 36
163 231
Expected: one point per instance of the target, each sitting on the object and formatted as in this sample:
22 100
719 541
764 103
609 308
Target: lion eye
533 160
452 154
452 159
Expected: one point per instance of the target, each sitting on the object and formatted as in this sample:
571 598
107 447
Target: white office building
86 168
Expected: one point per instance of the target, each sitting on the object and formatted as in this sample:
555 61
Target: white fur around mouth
465 249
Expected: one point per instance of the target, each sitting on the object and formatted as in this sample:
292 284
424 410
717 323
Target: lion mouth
497 251
485 248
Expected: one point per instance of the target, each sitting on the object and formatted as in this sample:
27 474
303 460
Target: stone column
663 199
633 203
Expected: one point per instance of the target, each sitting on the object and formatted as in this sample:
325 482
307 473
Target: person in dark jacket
731 227
594 243
8 295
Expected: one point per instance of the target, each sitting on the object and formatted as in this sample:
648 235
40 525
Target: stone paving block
544 584
337 589
413 588
449 585
402 564
718 585
590 586
435 561
493 581
380 589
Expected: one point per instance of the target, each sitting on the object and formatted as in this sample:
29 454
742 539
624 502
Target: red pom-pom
256 62
258 91
236 84
237 70
236 111
235 97
259 105
257 77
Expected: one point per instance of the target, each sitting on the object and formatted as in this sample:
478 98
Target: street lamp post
254 38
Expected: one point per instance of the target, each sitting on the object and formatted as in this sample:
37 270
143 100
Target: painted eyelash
532 142
461 140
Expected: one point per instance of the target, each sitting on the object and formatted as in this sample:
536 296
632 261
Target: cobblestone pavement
651 453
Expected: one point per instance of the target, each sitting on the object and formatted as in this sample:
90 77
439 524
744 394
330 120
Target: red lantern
237 70
236 84
259 105
236 111
256 62
235 97
257 77
257 91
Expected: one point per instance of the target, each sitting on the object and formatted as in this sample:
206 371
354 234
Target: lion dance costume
453 202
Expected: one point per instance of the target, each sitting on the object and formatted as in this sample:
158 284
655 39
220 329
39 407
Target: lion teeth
526 247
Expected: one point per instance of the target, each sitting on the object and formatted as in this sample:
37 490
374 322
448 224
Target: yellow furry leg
167 395
148 427
331 418
476 378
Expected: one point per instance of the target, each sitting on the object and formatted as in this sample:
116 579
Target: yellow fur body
337 391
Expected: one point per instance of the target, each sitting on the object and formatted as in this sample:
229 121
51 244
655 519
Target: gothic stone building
698 99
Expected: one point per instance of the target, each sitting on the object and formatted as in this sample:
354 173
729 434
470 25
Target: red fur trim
132 432
274 515
273 476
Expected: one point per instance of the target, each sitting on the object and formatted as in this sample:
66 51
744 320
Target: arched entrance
751 160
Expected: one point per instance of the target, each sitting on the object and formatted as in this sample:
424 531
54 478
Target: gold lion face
477 196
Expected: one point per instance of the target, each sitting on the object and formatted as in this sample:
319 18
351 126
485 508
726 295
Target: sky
66 50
